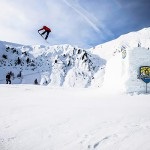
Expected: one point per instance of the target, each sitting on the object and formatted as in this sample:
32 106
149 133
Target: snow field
44 118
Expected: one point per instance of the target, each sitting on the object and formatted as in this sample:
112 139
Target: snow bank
124 57
121 74
116 74
137 57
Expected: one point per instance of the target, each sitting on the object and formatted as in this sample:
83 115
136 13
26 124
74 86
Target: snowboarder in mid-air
46 30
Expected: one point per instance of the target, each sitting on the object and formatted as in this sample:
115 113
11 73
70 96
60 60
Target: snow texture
59 65
43 118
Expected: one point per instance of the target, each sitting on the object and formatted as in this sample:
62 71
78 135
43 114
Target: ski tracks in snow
116 136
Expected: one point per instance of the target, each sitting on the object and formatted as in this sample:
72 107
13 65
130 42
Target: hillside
59 65
124 56
128 41
112 65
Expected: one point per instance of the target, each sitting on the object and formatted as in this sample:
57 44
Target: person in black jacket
8 76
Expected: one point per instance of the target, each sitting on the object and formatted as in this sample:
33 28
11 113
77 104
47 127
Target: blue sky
85 23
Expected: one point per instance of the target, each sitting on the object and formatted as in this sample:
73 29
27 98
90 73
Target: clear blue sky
85 23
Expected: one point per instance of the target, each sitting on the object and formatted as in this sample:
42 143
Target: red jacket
46 28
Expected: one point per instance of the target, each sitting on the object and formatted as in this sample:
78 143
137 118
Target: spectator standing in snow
36 82
8 76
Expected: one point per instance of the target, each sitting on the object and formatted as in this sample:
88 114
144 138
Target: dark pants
47 33
8 81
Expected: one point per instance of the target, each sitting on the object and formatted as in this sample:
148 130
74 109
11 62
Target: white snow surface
43 118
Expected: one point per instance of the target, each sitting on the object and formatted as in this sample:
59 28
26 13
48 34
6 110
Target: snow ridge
59 65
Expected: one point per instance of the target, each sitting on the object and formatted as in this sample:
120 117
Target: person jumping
46 30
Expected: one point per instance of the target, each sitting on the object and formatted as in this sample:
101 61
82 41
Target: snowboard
43 37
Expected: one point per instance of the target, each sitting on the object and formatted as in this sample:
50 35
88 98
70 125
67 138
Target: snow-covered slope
59 65
112 65
124 57
128 41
